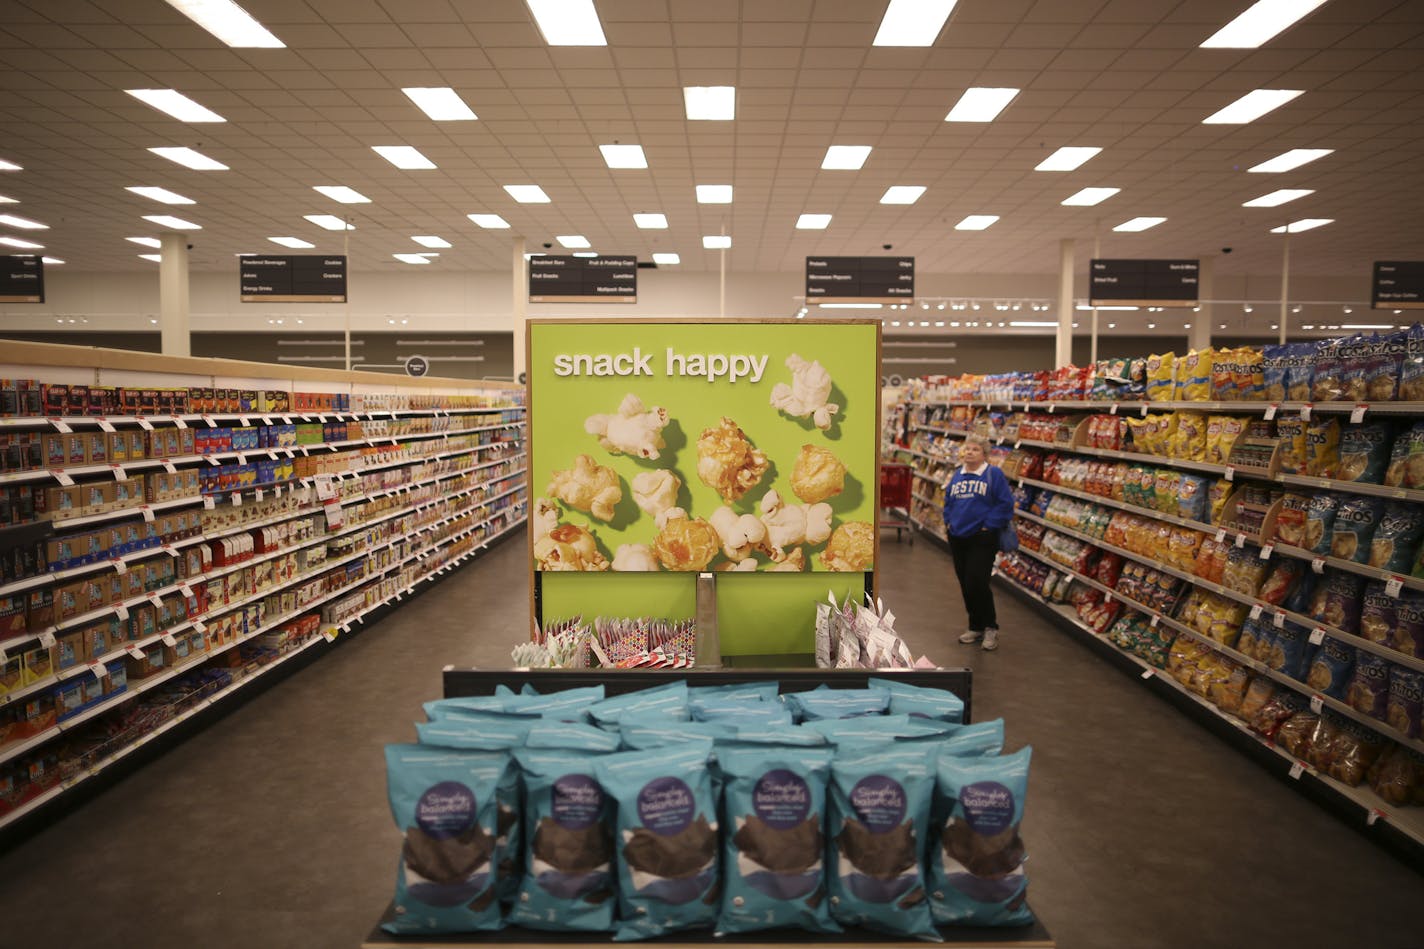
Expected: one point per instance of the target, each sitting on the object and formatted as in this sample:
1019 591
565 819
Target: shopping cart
895 481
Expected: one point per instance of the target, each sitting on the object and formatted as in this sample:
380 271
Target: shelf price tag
134 651
62 477
1146 673
179 422
1271 411
241 458
168 640
209 503
1393 586
61 426
1317 704
184 589
200 626
106 425
1155 620
145 424
121 611
1318 564
1297 770
236 499
119 473
1279 620
257 494
1305 411
1317 636
1256 611
147 513
243 420
99 669
209 420
1357 414
156 600
1374 815
168 466
212 461
1221 535
1267 550
1230 473
266 420
1113 410
47 640
1240 540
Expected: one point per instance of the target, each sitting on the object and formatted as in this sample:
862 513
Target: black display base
1033 936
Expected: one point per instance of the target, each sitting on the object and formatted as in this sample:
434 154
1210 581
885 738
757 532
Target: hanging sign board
1398 285
304 278
583 279
860 280
21 279
1143 282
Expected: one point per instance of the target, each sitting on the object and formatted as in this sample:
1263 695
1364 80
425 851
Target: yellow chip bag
1169 482
1231 429
1161 378
1291 434
1213 439
1190 441
1322 448
1220 491
1194 376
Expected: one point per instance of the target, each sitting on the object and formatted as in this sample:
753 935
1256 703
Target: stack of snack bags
855 635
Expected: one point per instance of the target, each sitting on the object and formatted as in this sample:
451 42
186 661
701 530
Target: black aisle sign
1398 285
860 279
306 278
21 280
583 279
1143 282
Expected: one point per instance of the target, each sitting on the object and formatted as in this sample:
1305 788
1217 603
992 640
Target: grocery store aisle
270 828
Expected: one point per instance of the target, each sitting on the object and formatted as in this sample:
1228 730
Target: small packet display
1355 524
977 857
1364 452
1291 435
1332 667
1377 615
878 817
1397 539
751 715
1320 522
1161 378
665 838
443 801
1368 691
1322 448
1406 695
568 883
919 702
773 853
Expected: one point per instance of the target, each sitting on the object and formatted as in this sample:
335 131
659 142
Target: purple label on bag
879 802
666 806
782 799
988 807
576 801
446 810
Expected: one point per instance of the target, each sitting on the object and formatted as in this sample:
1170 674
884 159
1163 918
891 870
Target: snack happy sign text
712 366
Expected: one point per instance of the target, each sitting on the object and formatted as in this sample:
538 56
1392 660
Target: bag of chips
1382 372
638 733
668 700
1228 694
1322 448
665 838
1277 709
1352 751
1355 357
1193 373
1332 667
837 703
1397 539
773 851
496 733
1326 381
1189 443
878 817
1291 651
749 715
875 728
919 702
572 736
1377 614
568 882
1161 378
1364 452
1281 580
1368 691
1258 694
1411 369
1320 522
1398 776
1413 472
1338 600
1406 696
1296 732
1290 433
1220 491
1274 360
444 802
977 855
1408 635
1355 524
1290 520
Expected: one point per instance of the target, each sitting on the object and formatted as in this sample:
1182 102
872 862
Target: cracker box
118 678
97 447
117 446
76 448
39 663
55 450
11 674
136 445
13 616
56 399
69 697
151 663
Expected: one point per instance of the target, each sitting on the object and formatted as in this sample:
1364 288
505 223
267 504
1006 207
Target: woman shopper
978 504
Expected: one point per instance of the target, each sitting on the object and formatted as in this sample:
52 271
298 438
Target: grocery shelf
924 477
1354 487
1254 407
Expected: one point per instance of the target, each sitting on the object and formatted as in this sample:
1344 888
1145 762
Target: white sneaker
991 639
971 636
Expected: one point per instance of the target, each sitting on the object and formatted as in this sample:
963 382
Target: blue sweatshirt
975 502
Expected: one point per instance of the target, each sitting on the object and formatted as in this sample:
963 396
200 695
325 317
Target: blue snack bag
641 734
669 700
568 885
877 819
472 705
977 856
837 703
918 701
773 851
571 736
745 692
568 705
665 838
879 728
444 802
779 735
979 740
750 715
1331 668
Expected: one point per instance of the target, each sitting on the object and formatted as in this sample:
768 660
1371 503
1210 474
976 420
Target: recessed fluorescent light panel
489 221
51 260
441 103
976 222
1033 323
1259 23
330 222
145 241
403 156
1288 161
189 158
1089 197
666 260
177 223
716 242
1251 106
1139 224
153 257
1305 224
710 103
430 240
174 103
568 22
902 194
573 241
18 242
296 243
585 253
845 157
527 194
1277 198
228 22
412 258
913 22
650 221
714 194
161 194
813 222
342 193
624 156
981 104
23 223
1067 158
9 166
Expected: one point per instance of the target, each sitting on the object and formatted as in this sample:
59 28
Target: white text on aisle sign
638 363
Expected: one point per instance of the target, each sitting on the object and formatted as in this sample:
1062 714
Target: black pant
973 563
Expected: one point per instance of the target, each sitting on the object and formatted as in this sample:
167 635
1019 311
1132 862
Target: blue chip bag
669 700
968 741
877 728
977 856
878 816
750 715
773 851
744 691
920 702
444 802
645 733
1291 651
837 703
569 705
569 880
1332 667
665 839
781 735
473 705
571 736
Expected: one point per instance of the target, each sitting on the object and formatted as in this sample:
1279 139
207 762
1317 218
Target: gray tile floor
270 828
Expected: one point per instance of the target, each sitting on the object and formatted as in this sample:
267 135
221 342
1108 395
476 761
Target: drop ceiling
1124 75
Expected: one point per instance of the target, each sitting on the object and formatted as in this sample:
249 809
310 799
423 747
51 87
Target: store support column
173 295
1063 350
519 321
1199 336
